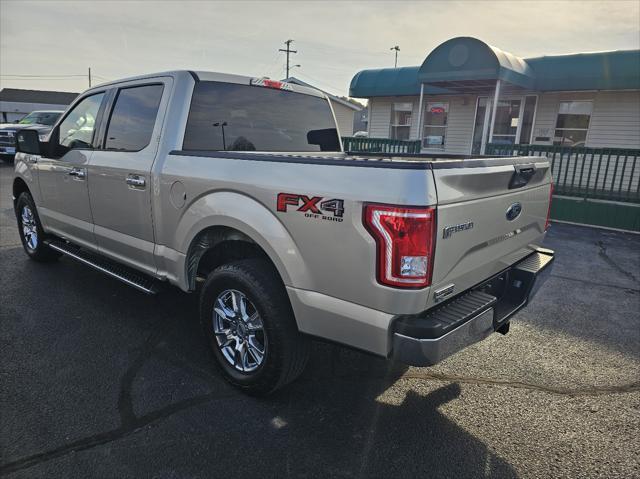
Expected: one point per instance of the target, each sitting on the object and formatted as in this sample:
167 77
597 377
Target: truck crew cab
237 188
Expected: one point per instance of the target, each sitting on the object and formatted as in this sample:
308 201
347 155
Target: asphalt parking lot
99 380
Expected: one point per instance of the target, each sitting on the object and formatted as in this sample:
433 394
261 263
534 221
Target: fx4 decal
312 206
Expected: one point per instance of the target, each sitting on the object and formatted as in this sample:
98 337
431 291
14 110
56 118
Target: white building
16 103
467 94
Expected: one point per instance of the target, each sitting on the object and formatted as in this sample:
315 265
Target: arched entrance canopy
466 65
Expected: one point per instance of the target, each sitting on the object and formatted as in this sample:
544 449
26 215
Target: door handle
135 180
78 173
522 175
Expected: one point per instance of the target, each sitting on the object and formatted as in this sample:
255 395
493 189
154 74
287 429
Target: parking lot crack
586 391
129 422
605 256
125 398
596 283
109 436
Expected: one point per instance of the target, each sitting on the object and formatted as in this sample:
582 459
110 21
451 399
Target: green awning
617 70
389 82
466 65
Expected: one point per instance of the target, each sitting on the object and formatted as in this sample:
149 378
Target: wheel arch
217 245
238 226
19 186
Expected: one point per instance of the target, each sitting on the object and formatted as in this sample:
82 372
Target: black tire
38 251
286 351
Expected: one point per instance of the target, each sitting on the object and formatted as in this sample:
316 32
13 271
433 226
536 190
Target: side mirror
27 141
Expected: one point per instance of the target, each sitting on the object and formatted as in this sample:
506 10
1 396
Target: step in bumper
429 337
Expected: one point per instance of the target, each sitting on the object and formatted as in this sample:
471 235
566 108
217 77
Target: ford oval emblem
514 211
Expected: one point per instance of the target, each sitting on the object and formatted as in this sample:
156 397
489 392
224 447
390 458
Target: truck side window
133 118
76 130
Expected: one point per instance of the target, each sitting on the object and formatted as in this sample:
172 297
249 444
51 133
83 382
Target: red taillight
548 222
405 242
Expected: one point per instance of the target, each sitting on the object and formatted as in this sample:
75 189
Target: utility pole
288 51
397 49
89 77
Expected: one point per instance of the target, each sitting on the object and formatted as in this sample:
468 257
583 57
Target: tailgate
480 231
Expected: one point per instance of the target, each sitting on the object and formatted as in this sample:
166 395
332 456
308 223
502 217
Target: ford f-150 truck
238 188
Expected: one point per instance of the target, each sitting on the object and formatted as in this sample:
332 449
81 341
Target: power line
275 64
27 77
288 51
321 82
40 76
331 49
40 79
267 65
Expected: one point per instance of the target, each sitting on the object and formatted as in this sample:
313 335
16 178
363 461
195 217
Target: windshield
40 118
232 117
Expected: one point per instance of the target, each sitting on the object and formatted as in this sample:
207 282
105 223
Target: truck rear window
232 117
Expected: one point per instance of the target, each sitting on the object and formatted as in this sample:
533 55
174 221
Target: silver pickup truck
238 188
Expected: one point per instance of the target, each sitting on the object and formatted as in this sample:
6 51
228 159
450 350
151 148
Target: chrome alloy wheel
29 228
239 331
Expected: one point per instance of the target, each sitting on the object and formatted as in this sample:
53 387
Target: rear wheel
30 230
247 319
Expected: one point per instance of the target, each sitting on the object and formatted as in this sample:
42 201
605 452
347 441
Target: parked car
237 188
361 134
42 121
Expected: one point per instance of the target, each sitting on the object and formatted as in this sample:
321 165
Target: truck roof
210 76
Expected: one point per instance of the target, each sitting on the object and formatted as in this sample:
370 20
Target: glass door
480 130
513 123
506 126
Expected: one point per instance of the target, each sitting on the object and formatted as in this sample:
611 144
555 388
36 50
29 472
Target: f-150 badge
312 206
449 230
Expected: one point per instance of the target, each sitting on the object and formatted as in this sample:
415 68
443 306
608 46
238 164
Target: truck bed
371 160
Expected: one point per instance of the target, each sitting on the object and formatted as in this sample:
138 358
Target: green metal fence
596 173
379 145
594 186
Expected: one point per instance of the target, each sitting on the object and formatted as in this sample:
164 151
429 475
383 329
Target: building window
572 124
435 124
401 121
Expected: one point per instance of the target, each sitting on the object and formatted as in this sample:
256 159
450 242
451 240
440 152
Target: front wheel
249 324
30 229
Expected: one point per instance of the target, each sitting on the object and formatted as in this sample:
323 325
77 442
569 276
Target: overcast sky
334 40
